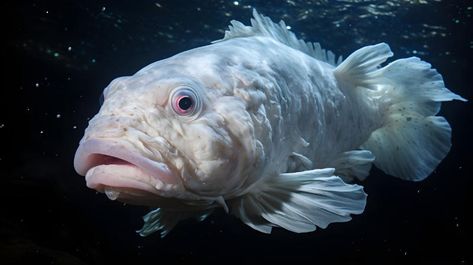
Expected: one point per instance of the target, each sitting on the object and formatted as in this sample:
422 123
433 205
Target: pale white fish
269 127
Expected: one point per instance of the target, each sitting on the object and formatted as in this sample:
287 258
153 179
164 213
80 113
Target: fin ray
301 201
165 220
410 141
264 26
357 67
353 164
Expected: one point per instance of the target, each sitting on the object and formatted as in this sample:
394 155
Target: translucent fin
410 146
300 202
353 164
165 220
264 26
410 142
357 68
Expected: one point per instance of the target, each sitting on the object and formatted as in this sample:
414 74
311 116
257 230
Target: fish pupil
185 103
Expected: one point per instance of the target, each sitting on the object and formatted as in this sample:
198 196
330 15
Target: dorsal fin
264 26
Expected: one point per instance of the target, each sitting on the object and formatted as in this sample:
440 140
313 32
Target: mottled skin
266 114
262 101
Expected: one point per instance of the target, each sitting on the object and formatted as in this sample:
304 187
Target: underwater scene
187 132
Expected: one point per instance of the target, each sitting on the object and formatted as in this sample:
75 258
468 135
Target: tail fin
411 141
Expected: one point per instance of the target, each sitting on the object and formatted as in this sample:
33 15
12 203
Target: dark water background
59 55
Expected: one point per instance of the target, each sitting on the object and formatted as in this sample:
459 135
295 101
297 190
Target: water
60 55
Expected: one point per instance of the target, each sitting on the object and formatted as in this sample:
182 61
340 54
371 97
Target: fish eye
185 102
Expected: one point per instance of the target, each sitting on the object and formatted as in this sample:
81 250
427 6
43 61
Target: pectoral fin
300 202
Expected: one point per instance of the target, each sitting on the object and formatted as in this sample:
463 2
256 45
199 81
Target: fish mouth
117 169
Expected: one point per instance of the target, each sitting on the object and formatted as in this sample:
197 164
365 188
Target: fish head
165 135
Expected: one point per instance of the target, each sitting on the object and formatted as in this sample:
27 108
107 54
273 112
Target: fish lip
122 150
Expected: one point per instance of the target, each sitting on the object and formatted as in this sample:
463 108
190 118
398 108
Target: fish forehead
196 63
210 64
153 84
148 90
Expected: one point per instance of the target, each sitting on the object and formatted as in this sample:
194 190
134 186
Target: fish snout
110 127
118 169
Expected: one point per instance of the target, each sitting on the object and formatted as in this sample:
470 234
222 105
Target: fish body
267 126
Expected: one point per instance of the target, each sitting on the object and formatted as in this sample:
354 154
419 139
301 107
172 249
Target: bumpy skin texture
273 130
262 101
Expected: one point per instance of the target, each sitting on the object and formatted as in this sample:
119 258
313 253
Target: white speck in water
74 127
41 132
69 48
236 3
47 12
36 85
93 60
111 193
103 8
58 115
2 125
288 27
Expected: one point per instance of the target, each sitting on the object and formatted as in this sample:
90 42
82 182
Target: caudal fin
411 141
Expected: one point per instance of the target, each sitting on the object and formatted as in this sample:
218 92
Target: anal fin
353 164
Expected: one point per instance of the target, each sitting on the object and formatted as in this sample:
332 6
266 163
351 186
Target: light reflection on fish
267 126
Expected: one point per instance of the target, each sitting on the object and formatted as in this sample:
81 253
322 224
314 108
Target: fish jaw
117 169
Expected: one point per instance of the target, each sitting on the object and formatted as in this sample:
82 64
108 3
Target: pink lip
96 152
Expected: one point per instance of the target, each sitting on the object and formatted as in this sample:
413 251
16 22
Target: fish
276 131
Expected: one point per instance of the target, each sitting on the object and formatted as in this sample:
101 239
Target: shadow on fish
273 129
